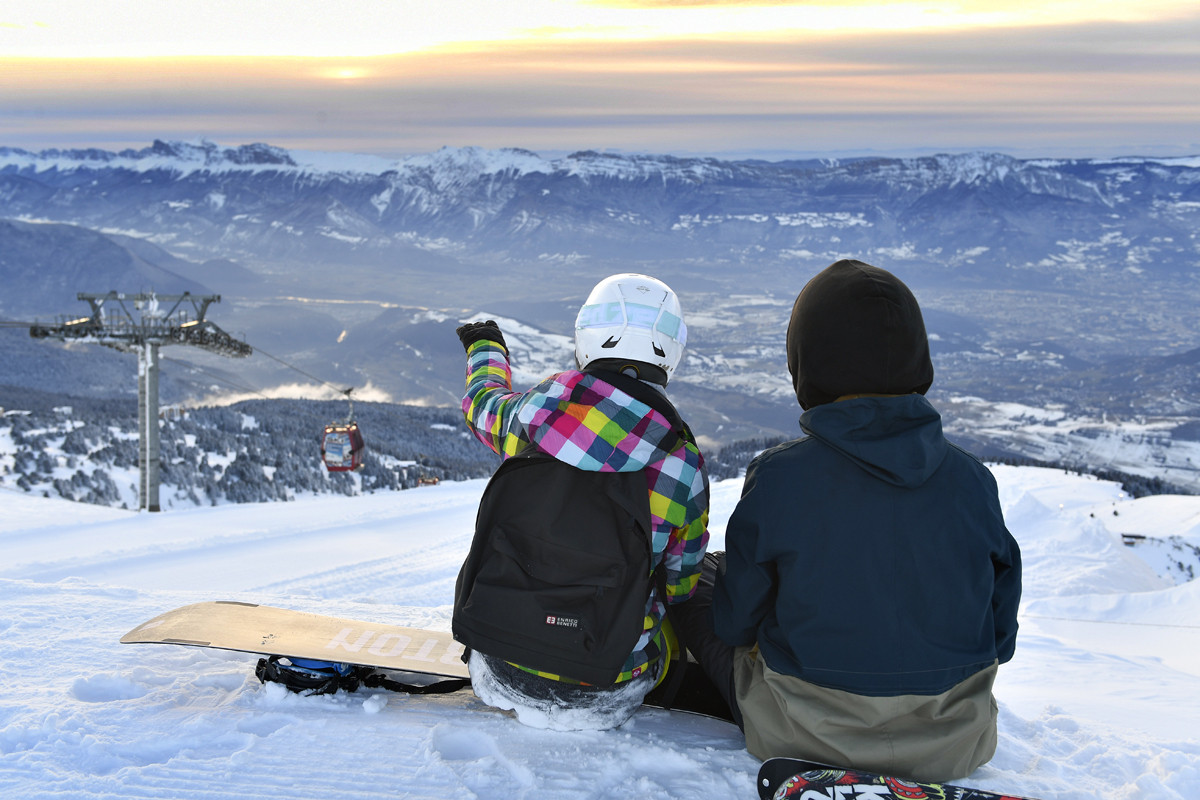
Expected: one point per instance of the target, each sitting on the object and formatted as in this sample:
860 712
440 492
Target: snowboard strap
378 680
309 678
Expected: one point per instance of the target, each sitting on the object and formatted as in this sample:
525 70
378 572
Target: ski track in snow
1099 702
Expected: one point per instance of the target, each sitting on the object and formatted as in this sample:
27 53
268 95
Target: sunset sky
687 77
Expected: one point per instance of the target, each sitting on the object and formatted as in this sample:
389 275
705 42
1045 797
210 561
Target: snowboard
270 631
797 779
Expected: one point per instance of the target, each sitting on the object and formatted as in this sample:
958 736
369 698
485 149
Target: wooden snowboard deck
267 630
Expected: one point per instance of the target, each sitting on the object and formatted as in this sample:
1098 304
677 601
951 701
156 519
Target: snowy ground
1101 700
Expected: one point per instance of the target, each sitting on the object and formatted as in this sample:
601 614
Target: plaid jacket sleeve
687 517
490 404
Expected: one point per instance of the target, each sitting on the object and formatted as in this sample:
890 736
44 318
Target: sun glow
343 73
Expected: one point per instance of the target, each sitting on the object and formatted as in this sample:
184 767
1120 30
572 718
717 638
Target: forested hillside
258 450
86 449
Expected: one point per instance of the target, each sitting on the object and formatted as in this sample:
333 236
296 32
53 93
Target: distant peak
479 161
212 154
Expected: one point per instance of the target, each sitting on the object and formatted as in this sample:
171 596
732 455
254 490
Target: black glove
474 331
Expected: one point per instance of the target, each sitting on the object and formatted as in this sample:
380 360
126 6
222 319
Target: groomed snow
1099 702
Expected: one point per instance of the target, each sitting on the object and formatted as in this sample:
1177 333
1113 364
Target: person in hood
869 587
610 414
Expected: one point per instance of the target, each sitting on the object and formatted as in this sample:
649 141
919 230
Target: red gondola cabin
342 447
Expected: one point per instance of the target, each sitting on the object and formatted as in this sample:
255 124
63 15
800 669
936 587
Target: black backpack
559 569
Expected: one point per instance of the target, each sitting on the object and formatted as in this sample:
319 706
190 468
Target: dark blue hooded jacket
872 555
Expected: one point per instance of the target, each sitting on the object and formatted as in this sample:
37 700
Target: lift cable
308 375
214 376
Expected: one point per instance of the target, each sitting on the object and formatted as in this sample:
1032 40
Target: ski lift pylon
342 445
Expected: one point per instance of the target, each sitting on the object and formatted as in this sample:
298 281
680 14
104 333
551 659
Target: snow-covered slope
1099 701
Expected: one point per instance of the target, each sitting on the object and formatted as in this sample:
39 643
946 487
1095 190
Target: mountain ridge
260 202
1052 283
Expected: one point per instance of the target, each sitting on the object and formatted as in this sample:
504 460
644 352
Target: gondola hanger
342 445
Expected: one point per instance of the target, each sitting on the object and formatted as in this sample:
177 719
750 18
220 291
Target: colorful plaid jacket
588 423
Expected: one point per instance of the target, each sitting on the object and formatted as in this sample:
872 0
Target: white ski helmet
631 317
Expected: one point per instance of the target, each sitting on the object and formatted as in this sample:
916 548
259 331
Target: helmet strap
639 370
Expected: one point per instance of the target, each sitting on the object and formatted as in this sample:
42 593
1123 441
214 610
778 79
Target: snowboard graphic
794 778
281 632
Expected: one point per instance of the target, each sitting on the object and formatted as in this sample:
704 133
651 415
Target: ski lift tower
161 319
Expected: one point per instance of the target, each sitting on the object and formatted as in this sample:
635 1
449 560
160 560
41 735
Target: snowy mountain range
1057 290
984 213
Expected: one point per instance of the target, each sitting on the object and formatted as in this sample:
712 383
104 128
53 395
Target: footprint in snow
463 744
106 688
488 771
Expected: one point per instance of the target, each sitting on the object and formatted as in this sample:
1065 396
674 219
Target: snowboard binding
308 677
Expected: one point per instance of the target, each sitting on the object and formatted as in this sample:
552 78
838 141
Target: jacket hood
897 439
856 329
607 422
